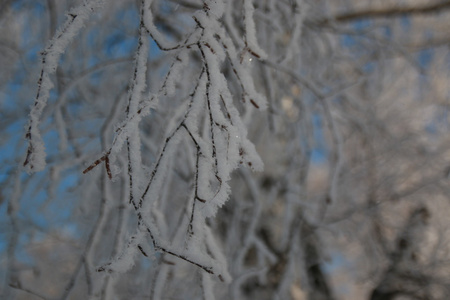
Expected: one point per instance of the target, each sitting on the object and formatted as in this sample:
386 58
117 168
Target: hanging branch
223 147
385 12
76 18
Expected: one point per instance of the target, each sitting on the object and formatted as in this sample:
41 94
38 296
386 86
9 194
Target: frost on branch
159 101
211 125
205 139
76 18
250 31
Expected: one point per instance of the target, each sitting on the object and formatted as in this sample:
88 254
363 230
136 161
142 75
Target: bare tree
225 149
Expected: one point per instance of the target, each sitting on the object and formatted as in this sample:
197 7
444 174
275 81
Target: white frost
250 30
76 19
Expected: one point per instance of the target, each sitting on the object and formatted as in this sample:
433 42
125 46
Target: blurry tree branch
386 12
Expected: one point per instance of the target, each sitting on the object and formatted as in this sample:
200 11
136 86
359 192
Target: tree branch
385 12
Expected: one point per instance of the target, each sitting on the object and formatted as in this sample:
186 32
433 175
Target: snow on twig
76 18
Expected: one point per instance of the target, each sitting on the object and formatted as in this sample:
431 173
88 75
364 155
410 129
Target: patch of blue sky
29 36
333 266
387 31
32 53
129 16
37 208
53 95
22 253
166 8
14 135
3 240
337 100
9 103
369 66
21 250
362 24
4 172
154 49
93 36
337 261
33 197
51 140
16 83
405 22
15 86
90 123
92 61
118 44
319 153
349 40
59 210
431 127
146 263
3 233
35 6
352 40
319 156
33 211
71 229
95 77
74 107
69 180
425 58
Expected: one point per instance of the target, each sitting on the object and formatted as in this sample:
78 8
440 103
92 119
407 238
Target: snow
208 287
250 30
76 19
175 72
126 260
242 68
159 38
208 123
